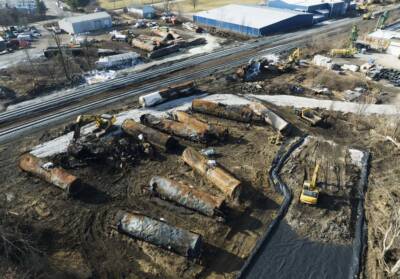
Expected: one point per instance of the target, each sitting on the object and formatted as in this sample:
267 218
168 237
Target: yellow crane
310 191
103 122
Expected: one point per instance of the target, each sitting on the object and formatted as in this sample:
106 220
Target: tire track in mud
281 253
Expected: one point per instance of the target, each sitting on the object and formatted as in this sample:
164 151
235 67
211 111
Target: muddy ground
332 220
306 80
78 238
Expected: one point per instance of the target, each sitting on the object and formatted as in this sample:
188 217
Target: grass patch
119 4
185 6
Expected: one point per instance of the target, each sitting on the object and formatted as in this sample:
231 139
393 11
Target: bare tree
63 61
194 3
167 5
391 237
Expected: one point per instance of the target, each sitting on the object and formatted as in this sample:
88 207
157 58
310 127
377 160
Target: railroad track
79 93
58 117
67 108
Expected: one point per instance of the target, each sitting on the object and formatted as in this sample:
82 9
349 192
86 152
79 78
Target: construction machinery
367 16
349 51
382 20
103 123
365 10
310 116
310 191
292 60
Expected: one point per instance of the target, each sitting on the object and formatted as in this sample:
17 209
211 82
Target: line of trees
75 4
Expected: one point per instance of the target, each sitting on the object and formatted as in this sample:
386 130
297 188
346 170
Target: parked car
13 44
9 35
25 37
35 34
24 44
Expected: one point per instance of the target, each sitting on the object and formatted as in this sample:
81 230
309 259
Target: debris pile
378 73
323 61
164 42
114 151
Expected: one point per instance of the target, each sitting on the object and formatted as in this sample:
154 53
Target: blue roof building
253 20
322 9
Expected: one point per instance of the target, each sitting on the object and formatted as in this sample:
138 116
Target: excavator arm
310 192
104 122
313 184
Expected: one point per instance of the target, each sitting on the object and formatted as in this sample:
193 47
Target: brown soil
333 218
81 239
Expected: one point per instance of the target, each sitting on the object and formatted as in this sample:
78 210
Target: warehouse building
86 23
145 11
322 9
253 20
28 6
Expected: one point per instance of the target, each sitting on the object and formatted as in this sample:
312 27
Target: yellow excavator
310 191
292 60
103 123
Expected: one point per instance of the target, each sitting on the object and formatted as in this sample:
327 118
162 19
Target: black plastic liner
306 259
360 234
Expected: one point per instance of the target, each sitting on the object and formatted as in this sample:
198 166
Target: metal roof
87 17
251 16
384 34
309 3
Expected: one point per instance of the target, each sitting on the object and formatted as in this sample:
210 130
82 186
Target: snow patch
60 144
357 157
304 102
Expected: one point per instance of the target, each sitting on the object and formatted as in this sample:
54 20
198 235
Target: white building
86 23
27 5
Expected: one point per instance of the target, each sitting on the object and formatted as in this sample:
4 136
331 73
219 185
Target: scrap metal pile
163 135
164 42
270 63
378 73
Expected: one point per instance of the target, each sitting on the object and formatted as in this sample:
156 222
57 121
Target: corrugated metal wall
336 9
246 30
290 24
91 25
295 22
